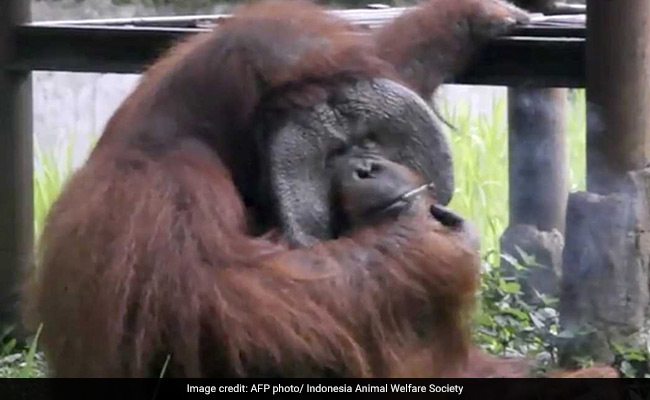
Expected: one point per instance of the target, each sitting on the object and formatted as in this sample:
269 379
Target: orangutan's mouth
442 214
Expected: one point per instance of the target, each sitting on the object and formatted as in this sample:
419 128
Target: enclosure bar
534 61
16 163
618 82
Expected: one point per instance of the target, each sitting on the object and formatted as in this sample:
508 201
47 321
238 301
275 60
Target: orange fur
149 251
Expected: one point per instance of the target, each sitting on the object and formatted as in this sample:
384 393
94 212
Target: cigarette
417 191
408 196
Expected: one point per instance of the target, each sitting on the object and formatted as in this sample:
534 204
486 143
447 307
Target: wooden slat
547 52
368 17
530 60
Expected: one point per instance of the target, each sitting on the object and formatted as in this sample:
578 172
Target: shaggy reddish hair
149 252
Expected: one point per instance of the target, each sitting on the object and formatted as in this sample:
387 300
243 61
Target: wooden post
607 254
538 151
538 157
16 163
618 91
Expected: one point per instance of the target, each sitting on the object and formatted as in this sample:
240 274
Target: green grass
480 149
21 363
577 140
480 152
51 169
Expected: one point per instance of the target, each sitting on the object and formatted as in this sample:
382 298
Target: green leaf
510 287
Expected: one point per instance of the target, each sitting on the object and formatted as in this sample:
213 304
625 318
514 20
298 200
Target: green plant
632 361
509 325
51 169
479 146
21 363
577 139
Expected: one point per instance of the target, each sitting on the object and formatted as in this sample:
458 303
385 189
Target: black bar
481 389
511 61
551 32
92 49
16 164
530 62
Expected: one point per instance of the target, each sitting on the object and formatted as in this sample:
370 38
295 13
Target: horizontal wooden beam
92 48
560 16
548 52
530 62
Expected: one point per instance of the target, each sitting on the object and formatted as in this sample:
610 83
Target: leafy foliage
508 325
24 362
632 361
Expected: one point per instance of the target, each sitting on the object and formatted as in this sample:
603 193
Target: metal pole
618 91
16 163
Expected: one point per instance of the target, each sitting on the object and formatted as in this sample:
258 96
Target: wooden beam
618 92
16 162
517 60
